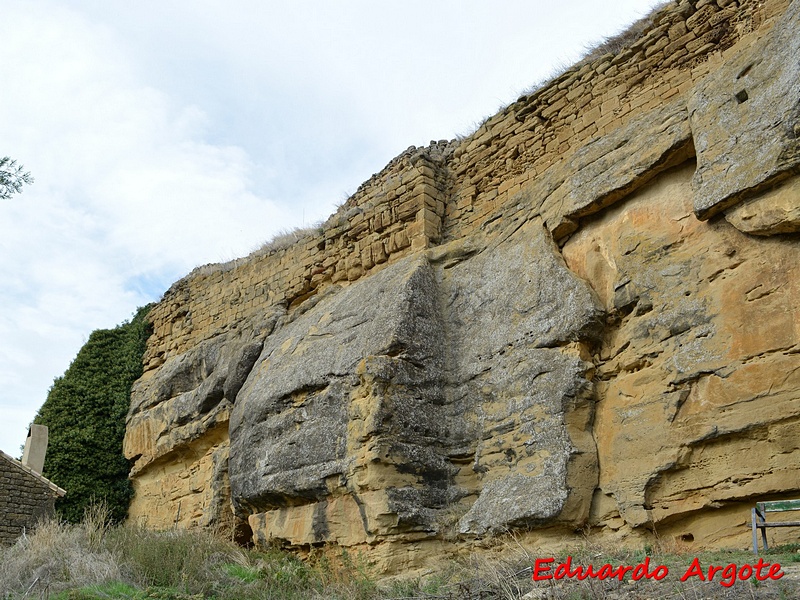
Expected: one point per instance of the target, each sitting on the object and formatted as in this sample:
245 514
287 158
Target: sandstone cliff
583 317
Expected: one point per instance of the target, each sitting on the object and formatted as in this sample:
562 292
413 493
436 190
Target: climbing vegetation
85 412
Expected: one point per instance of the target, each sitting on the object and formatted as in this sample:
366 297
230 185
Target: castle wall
595 266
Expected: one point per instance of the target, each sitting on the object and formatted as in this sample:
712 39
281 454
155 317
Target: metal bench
760 519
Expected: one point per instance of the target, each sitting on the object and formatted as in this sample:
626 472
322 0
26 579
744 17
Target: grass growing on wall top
85 412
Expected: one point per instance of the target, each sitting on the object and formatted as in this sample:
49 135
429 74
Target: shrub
85 412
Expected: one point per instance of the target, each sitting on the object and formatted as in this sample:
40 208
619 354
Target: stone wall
545 131
580 316
396 212
449 189
25 498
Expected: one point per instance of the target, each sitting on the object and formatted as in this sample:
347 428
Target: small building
25 495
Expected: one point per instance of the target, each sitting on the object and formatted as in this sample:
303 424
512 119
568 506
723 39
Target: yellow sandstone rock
529 330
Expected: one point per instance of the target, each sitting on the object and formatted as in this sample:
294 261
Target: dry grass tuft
55 557
288 238
93 561
611 45
615 43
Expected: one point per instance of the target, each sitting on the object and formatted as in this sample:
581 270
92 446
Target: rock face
756 95
699 374
187 406
581 317
373 412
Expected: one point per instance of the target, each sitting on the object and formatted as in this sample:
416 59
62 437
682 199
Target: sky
167 135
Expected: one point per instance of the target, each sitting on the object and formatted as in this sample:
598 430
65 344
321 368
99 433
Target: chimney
35 448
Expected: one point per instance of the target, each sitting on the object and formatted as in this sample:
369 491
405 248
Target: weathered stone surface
745 120
700 375
391 400
612 166
343 409
177 429
385 393
769 213
508 333
189 485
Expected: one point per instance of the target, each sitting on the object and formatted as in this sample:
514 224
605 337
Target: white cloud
127 196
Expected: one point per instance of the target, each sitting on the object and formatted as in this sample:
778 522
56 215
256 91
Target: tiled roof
33 473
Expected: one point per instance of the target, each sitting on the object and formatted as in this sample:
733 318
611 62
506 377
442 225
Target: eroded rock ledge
582 317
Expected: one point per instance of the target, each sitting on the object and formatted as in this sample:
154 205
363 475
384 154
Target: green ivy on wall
85 412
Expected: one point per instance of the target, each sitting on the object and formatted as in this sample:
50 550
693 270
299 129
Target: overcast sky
163 135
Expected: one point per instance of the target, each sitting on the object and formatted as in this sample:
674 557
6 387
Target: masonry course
25 498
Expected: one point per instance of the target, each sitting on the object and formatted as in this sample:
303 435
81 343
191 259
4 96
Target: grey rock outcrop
745 120
444 376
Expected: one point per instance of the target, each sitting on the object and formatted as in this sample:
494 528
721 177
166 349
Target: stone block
744 118
771 212
611 166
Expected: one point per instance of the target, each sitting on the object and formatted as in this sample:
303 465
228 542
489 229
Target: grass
289 237
93 561
626 37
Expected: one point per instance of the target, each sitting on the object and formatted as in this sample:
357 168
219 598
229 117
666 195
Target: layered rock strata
581 317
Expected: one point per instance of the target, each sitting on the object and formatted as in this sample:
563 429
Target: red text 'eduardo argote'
728 575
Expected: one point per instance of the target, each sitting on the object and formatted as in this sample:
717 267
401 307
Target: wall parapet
397 211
